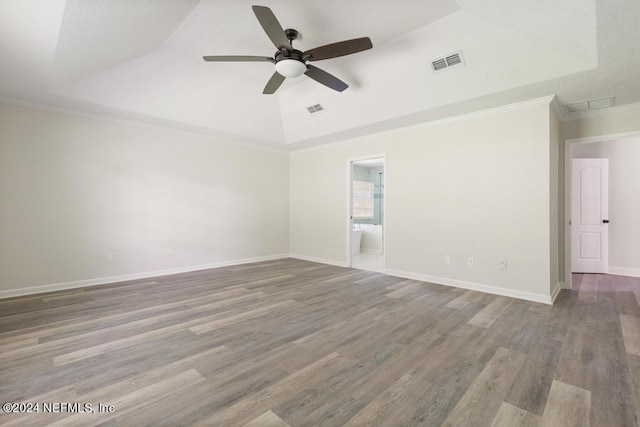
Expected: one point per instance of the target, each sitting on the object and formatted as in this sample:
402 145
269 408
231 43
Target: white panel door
589 215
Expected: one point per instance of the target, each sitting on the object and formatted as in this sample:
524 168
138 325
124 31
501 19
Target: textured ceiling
142 59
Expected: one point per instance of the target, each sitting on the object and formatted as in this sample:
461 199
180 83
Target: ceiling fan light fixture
291 67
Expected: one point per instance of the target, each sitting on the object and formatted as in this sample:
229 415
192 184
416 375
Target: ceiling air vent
439 64
454 59
590 105
314 108
577 107
597 104
448 61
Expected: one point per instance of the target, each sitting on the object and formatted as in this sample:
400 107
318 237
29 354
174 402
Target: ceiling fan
291 62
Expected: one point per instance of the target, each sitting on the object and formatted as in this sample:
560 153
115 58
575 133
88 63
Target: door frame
350 162
566 226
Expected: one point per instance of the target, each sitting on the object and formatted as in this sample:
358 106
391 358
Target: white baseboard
320 260
544 299
624 271
408 275
371 251
134 276
556 291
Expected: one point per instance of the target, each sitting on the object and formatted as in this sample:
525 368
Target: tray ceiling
142 60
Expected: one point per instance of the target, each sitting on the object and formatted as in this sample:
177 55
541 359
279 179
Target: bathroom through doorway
366 231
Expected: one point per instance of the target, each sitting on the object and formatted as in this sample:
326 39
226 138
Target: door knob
605 221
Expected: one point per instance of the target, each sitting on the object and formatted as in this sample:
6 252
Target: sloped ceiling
142 59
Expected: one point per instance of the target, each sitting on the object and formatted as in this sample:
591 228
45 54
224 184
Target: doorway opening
601 235
366 214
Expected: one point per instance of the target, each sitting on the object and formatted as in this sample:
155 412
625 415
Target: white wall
624 200
474 188
75 190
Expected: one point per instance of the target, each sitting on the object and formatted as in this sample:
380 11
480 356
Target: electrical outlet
113 257
172 251
503 265
470 261
447 259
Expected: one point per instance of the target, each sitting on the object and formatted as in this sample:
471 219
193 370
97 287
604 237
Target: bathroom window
362 199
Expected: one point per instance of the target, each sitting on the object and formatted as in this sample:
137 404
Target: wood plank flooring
295 343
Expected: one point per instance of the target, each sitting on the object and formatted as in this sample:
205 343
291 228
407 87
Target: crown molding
545 100
152 124
602 138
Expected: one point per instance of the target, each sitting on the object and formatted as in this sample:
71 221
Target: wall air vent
590 105
314 108
447 61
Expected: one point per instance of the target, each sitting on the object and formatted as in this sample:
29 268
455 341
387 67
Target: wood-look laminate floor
302 344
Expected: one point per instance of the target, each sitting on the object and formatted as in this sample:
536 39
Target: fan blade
274 83
325 78
271 26
334 50
237 58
